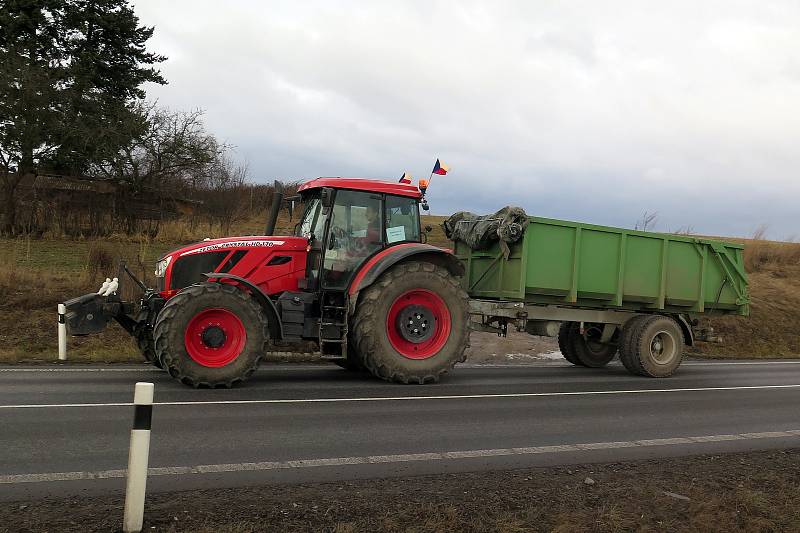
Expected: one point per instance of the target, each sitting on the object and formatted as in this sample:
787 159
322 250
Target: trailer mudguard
688 334
383 260
276 326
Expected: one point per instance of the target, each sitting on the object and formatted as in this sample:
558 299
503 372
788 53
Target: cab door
355 232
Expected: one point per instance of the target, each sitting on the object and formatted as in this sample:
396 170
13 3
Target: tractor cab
347 221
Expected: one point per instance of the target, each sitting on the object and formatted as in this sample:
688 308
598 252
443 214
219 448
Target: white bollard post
62 332
138 457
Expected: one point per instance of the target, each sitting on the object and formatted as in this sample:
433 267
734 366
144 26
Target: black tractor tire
371 327
627 359
655 346
143 335
591 352
353 361
175 317
565 342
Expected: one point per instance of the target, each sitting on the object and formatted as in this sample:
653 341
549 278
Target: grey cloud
583 110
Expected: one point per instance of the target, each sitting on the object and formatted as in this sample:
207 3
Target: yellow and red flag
440 168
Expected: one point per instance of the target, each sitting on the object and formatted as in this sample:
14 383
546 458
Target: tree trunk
9 184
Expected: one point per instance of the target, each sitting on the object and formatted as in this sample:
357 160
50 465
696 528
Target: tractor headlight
161 266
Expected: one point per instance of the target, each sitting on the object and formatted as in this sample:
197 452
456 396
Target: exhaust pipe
277 200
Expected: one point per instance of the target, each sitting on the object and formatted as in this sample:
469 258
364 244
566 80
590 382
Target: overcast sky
591 111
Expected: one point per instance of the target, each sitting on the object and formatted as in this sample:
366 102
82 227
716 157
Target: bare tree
647 222
174 150
225 193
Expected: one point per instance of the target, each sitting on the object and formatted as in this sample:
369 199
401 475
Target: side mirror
326 199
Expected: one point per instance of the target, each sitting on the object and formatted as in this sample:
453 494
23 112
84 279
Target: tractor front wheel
412 324
211 335
143 335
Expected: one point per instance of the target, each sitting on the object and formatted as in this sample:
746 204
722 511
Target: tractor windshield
312 224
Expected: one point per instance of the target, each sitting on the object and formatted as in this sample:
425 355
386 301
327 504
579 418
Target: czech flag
440 168
406 178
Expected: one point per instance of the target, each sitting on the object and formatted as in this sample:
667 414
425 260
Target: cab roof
361 184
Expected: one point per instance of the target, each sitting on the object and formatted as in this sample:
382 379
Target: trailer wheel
630 362
211 335
655 346
412 324
565 342
588 349
143 335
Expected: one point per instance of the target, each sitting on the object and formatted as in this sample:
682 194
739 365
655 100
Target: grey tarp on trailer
479 232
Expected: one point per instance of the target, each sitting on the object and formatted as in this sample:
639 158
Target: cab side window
402 220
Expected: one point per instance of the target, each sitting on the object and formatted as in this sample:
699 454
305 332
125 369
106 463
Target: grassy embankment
37 274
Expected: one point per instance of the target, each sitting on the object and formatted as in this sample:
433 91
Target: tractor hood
229 243
233 255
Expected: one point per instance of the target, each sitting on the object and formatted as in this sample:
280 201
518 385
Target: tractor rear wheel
353 361
412 324
211 335
565 342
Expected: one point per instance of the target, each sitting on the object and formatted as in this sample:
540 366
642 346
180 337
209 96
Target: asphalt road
65 430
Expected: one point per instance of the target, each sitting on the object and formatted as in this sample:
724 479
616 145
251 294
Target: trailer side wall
570 263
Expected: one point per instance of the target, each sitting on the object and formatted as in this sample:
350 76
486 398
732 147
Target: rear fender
275 324
385 259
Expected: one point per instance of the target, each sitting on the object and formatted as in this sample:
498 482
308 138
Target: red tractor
356 277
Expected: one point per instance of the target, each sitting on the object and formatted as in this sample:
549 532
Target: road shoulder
730 492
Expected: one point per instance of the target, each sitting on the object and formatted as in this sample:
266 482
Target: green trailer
605 290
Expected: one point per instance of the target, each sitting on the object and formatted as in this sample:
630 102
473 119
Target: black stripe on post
142 416
61 319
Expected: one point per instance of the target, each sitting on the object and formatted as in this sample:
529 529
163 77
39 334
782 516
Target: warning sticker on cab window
396 234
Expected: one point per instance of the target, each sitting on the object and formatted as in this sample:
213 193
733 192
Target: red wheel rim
215 337
430 305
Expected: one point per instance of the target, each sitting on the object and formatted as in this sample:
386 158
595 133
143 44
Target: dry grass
774 322
761 254
35 275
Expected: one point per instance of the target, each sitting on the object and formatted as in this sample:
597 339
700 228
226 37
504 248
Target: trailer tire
565 342
418 291
626 356
143 335
591 353
655 346
211 335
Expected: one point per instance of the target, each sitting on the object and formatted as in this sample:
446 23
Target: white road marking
555 363
397 458
80 370
737 363
409 398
